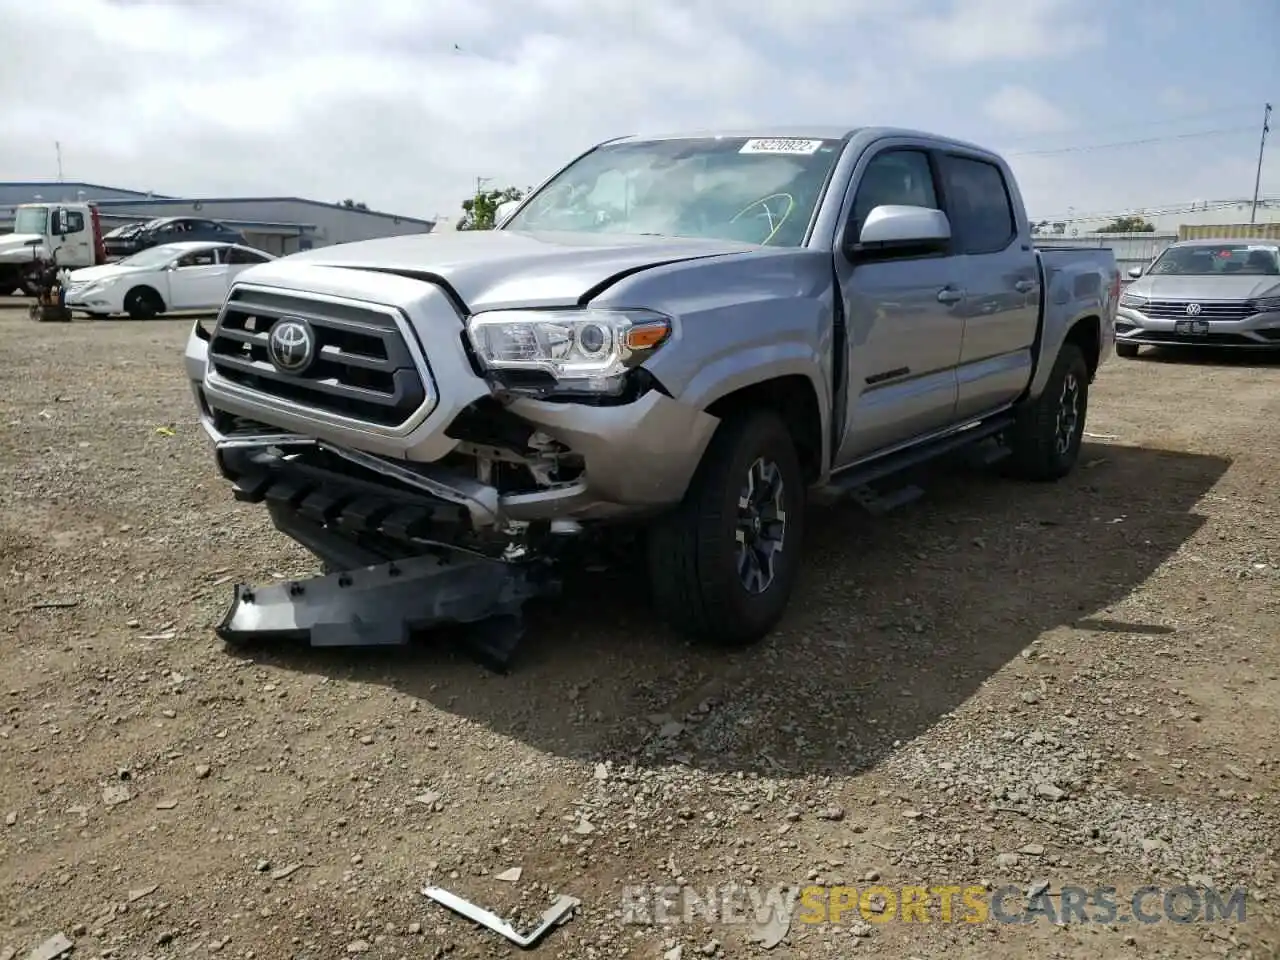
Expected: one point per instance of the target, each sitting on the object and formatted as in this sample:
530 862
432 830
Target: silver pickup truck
684 337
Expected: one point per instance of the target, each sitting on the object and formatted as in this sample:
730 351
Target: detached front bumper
1258 332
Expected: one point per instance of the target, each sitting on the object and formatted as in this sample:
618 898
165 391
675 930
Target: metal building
278 225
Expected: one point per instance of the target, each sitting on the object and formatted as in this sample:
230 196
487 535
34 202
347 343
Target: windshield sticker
797 148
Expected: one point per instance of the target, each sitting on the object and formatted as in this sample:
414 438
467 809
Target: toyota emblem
291 345
1193 309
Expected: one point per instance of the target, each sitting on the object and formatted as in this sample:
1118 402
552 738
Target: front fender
739 321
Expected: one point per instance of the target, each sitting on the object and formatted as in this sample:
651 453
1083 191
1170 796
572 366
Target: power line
1219 114
1085 148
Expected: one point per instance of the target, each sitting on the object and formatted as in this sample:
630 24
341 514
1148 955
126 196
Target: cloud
1024 110
980 31
401 104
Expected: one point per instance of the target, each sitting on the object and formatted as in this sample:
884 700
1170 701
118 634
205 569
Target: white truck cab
70 234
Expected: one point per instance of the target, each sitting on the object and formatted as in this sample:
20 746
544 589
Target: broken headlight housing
584 350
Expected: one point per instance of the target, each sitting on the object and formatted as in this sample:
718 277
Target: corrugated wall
1229 231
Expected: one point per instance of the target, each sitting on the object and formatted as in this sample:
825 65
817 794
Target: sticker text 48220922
802 148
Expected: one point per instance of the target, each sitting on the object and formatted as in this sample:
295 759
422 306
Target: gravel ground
1072 684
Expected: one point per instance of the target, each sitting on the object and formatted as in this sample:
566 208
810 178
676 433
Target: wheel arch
795 400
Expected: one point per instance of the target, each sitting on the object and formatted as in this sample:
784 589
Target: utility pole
1262 146
57 149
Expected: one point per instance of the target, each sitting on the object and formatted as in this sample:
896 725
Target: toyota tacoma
680 338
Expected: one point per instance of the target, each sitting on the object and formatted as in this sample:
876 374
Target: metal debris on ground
51 949
553 915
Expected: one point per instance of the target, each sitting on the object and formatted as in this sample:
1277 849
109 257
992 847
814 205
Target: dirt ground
999 684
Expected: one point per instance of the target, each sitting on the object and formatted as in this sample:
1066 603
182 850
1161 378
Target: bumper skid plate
384 605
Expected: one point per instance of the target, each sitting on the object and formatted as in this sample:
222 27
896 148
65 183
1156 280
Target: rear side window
978 204
238 255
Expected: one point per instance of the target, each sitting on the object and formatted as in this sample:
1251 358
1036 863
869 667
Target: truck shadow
897 621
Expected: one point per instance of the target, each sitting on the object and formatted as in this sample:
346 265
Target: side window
201 258
75 221
240 255
894 177
978 205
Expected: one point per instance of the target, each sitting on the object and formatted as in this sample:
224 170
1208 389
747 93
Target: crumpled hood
1229 287
14 246
493 269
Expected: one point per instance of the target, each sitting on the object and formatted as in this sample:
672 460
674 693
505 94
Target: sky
402 104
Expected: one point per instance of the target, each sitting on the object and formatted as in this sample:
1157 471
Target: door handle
1025 286
950 295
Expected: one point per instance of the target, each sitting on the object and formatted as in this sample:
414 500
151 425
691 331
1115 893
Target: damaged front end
433 489
405 546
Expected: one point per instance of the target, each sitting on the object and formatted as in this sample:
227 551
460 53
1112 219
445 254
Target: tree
480 211
1132 223
353 205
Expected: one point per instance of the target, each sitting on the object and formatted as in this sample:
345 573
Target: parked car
683 337
175 276
172 230
122 237
1199 293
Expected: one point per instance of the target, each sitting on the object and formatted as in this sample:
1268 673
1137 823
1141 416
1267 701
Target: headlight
586 349
1267 305
1133 301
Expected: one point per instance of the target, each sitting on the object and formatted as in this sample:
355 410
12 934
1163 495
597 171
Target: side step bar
865 483
383 605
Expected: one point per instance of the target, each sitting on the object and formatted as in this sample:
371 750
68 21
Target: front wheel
1045 439
142 303
1127 350
724 563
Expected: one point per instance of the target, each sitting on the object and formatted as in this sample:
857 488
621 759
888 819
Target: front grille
363 368
1209 309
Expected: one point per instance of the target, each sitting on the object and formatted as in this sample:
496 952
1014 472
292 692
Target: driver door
904 317
197 281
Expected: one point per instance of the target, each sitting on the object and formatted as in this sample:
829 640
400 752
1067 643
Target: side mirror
1135 272
902 229
505 209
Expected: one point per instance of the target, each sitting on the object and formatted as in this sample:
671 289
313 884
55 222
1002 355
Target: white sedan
175 276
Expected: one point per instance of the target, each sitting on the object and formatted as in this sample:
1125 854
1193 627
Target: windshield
31 220
1225 259
155 257
755 191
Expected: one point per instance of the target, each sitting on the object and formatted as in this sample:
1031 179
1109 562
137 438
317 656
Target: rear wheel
723 564
1127 350
142 303
1045 440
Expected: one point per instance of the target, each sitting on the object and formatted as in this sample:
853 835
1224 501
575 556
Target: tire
1127 350
1045 439
694 553
142 303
